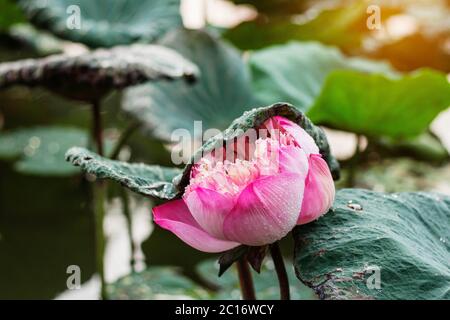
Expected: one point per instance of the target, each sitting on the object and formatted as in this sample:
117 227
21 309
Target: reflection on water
118 249
45 226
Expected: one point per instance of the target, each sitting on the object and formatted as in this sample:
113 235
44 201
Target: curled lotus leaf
92 75
147 180
253 119
169 183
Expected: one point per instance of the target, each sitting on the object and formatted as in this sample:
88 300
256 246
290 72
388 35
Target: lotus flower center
231 177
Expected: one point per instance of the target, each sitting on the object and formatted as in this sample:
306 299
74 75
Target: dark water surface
46 223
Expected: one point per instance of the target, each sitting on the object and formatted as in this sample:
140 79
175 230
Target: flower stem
99 212
245 280
97 129
126 210
354 162
281 271
126 134
99 189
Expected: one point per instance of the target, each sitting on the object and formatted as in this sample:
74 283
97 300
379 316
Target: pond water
46 224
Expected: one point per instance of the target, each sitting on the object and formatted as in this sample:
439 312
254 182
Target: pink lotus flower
257 197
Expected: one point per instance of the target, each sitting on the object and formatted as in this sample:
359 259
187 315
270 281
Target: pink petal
175 216
244 145
266 210
304 140
319 190
292 159
209 209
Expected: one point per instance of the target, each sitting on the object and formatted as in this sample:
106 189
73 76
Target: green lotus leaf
376 105
39 42
343 26
425 147
296 72
168 183
104 23
155 283
377 246
272 7
222 93
10 14
148 180
92 75
253 119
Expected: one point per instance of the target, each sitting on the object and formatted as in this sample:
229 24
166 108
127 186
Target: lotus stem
354 162
99 212
283 279
126 210
123 139
99 200
2 120
245 280
123 194
204 12
97 129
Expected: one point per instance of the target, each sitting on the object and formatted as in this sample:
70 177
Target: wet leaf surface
377 246
148 180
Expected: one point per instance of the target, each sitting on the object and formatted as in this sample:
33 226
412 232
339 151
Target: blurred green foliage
296 71
376 106
103 23
9 14
53 228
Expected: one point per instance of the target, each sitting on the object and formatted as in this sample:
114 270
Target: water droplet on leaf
354 206
34 142
29 151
